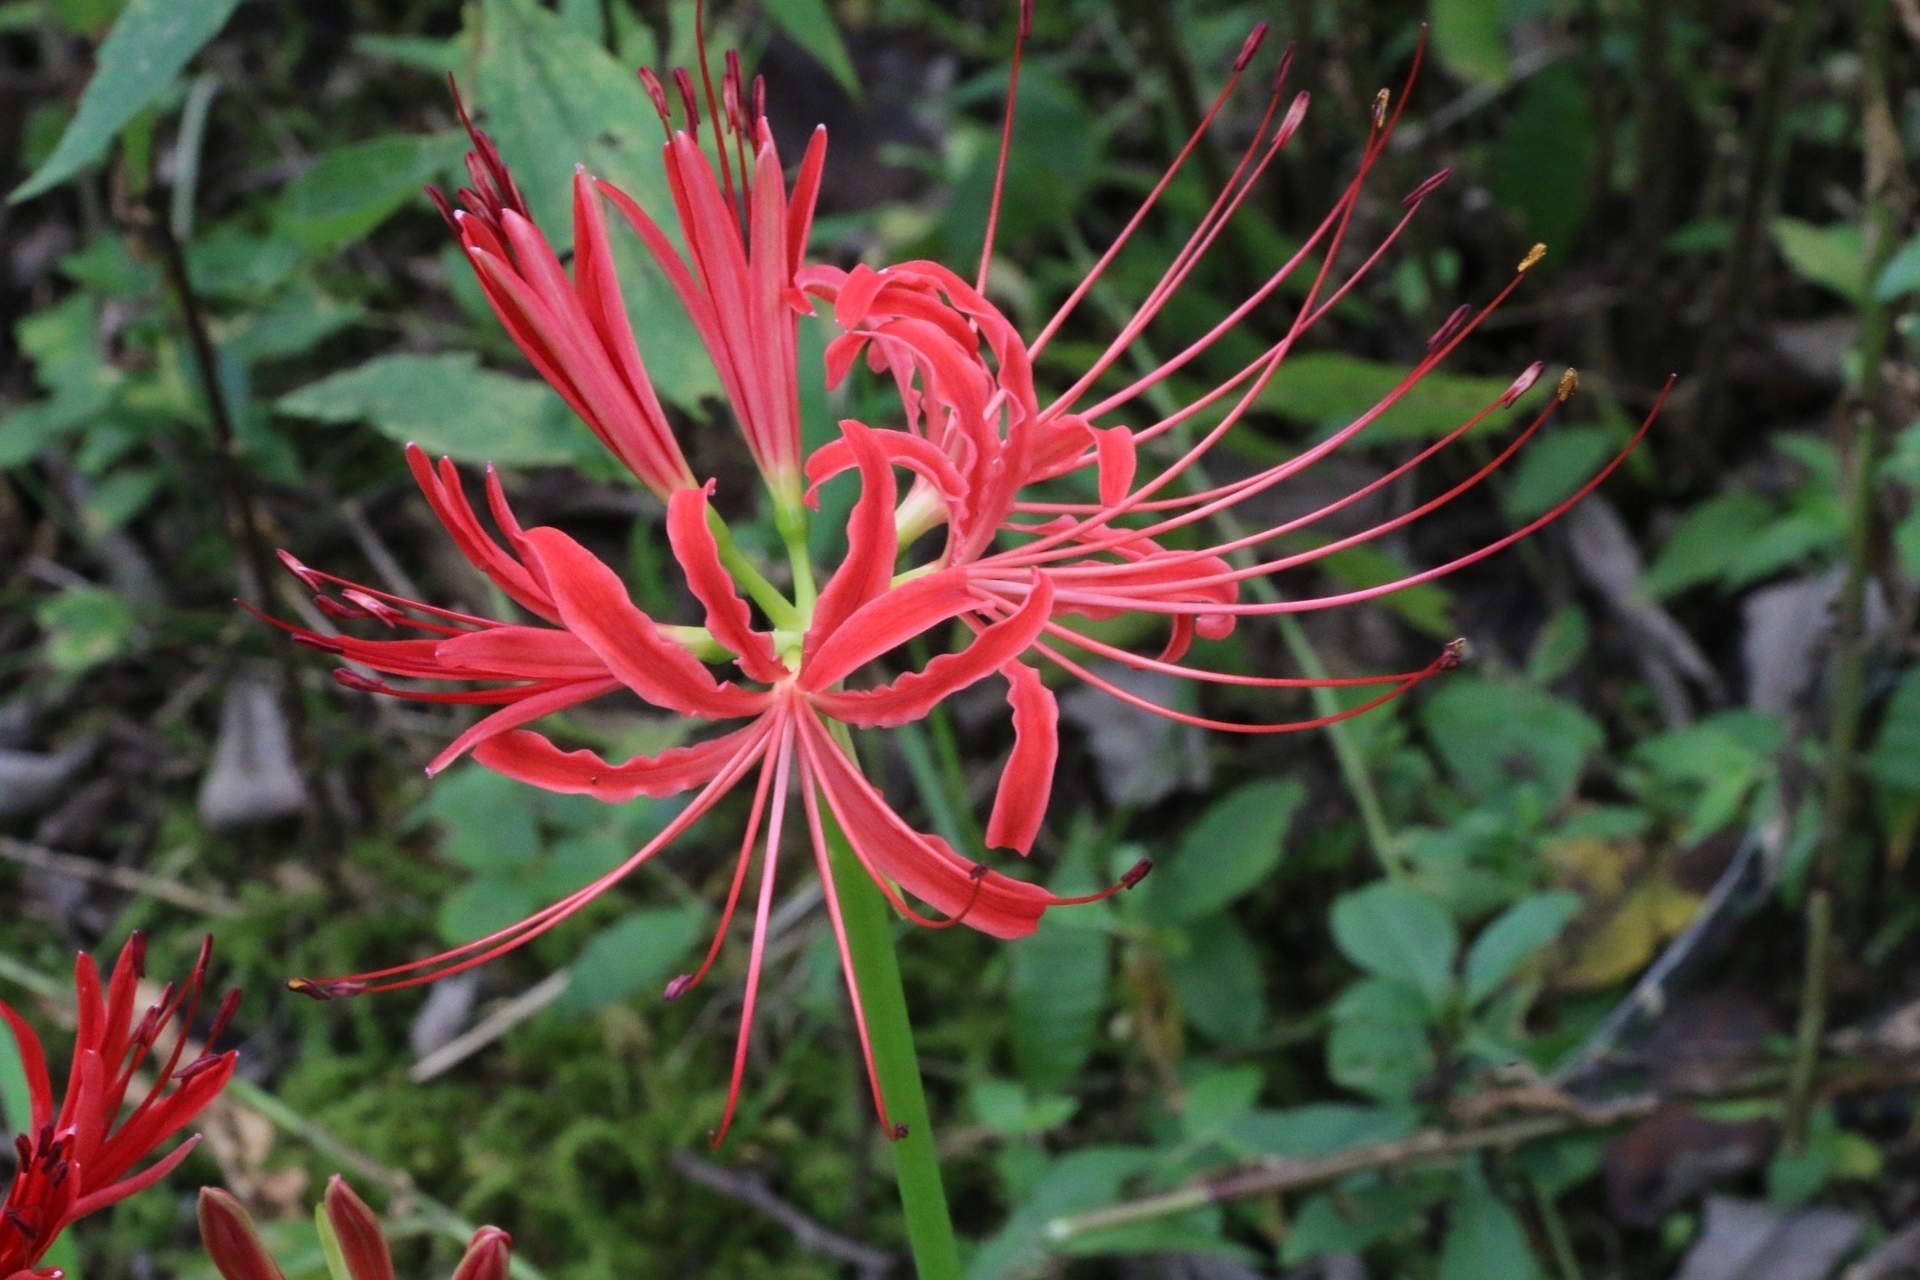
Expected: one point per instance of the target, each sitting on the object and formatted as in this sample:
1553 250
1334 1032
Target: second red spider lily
350 1236
1017 563
80 1159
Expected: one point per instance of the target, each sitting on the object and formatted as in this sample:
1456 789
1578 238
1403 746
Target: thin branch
751 1190
41 858
490 1028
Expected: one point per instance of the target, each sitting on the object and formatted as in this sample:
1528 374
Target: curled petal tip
325 989
1251 47
679 986
1533 257
1136 873
1569 383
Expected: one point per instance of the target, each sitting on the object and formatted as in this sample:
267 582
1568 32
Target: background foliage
1432 922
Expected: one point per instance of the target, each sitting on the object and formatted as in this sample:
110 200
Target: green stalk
734 561
791 520
916 1163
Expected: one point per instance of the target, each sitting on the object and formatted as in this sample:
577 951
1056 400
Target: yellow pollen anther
1533 257
1380 101
1569 382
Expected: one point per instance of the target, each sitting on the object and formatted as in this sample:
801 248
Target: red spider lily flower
81 1160
1015 564
238 1253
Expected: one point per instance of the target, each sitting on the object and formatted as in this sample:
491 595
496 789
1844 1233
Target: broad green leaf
151 42
488 823
1513 938
1470 38
1365 1211
1707 541
353 189
1333 389
448 404
1401 935
1485 1239
84 626
1901 275
1553 466
484 906
1378 1045
1832 256
1785 543
1216 1102
1895 759
1058 990
1232 847
1011 1110
1546 158
1218 981
640 952
1058 147
552 99
1493 735
810 25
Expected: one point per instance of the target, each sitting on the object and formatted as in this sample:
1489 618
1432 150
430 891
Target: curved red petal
531 758
728 618
1027 781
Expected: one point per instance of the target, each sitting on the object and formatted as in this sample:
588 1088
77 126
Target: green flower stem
791 520
734 561
916 1164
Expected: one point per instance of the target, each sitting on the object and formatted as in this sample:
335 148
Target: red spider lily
238 1253
81 1160
976 440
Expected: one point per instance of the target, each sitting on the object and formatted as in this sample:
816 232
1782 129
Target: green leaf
1547 155
150 44
1901 275
484 906
84 626
1511 940
448 404
1009 1109
809 24
1218 1100
1401 935
422 53
1332 389
1058 990
1365 1211
1378 1045
1218 981
1552 467
640 951
1706 542
119 498
488 823
1470 38
1895 759
1485 1238
1233 846
1832 256
353 189
1493 735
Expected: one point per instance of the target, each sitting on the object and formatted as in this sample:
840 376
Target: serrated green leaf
1233 846
1513 938
1400 935
150 44
448 405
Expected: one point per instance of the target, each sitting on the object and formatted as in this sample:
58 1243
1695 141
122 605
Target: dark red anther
374 606
1284 66
58 1174
1026 30
200 963
229 1005
684 83
1425 189
335 609
22 1150
313 581
205 1062
978 873
18 1220
319 644
899 1132
1252 46
759 97
1290 123
325 989
655 93
348 678
1522 384
732 86
1450 327
137 952
1136 873
679 986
